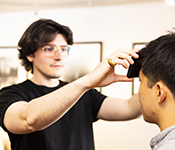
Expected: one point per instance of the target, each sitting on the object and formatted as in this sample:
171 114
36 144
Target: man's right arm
25 117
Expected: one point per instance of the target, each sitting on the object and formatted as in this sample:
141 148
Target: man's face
50 67
147 98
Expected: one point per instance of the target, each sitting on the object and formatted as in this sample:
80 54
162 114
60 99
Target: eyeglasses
50 50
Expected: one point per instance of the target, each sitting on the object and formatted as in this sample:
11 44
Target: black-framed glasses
50 49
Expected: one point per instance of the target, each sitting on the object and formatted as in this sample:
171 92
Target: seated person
156 69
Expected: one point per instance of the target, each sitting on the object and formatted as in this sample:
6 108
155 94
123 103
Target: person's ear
30 57
161 92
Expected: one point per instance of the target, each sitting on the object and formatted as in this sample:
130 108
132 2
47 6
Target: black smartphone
134 69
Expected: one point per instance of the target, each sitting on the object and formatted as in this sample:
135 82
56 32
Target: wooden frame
84 57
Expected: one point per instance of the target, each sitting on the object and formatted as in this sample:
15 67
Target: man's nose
57 54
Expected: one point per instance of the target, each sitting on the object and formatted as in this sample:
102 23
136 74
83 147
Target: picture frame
83 58
11 71
136 82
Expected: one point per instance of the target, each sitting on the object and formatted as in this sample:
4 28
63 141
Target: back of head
158 61
39 33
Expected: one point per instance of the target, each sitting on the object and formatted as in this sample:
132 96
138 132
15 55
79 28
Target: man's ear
161 92
30 57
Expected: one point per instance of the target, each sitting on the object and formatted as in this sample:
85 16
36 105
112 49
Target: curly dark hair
39 33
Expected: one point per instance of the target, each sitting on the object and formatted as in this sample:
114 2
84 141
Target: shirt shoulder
164 140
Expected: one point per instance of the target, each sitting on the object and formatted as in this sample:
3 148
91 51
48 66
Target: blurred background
115 24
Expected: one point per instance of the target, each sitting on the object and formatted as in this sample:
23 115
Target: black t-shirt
72 132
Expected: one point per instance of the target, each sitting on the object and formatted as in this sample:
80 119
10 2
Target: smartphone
134 69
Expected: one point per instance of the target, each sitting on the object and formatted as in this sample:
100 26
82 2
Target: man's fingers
123 78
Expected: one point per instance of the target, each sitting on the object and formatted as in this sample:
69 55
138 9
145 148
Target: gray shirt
165 140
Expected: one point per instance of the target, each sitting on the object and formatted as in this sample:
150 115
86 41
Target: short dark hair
158 61
39 33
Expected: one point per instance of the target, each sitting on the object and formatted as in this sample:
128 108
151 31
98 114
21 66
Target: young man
44 113
156 63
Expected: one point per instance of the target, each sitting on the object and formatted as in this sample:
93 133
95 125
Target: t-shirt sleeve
8 96
97 101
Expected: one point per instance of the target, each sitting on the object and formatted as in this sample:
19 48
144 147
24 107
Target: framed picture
136 82
83 58
10 69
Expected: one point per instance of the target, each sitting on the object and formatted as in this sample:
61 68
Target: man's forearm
41 112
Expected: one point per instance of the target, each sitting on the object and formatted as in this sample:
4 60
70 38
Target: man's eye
63 49
48 49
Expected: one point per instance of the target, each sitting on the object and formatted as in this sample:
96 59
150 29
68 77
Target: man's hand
104 73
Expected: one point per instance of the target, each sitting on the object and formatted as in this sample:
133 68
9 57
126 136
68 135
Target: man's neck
167 119
52 82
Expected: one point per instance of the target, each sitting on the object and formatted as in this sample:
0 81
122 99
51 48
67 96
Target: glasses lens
65 48
49 50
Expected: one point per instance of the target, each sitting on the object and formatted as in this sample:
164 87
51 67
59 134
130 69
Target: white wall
116 26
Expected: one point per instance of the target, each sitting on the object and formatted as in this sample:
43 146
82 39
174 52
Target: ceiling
22 5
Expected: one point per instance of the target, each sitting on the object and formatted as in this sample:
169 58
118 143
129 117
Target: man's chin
148 120
55 76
